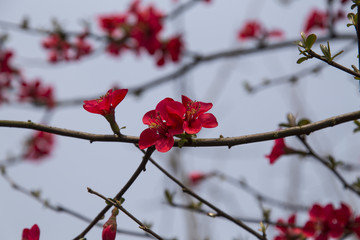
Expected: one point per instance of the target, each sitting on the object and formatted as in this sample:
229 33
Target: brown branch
219 212
121 208
199 142
329 166
58 208
239 52
334 64
118 196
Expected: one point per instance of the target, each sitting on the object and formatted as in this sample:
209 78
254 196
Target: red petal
192 127
117 96
92 106
164 144
204 107
149 117
148 138
208 120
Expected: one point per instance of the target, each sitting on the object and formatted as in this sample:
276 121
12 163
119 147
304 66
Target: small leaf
303 122
302 59
310 41
169 196
357 122
337 54
326 52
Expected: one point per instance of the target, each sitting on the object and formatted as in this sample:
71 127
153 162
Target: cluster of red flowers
171 118
7 71
40 145
139 29
60 49
31 234
324 222
36 93
254 30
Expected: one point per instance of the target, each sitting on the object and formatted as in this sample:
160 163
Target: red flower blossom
139 30
7 71
317 19
31 234
195 116
60 49
106 105
277 151
288 231
164 122
36 93
109 228
39 146
196 177
254 30
325 222
172 49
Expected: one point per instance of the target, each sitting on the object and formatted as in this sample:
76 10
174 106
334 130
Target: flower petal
117 96
192 127
208 120
148 137
164 144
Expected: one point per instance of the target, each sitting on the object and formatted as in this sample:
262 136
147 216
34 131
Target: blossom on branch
31 234
255 30
197 177
164 122
109 228
36 93
106 105
60 49
39 146
288 230
196 116
139 29
277 151
7 71
171 118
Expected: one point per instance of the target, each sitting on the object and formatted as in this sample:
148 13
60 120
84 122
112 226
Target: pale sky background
105 167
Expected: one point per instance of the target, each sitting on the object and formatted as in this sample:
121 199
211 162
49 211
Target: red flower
109 228
196 177
288 231
31 234
139 30
277 151
164 122
106 105
172 49
60 49
36 93
39 146
6 73
254 30
324 222
195 116
316 20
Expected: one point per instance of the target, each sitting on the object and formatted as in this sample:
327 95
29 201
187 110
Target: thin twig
118 196
328 166
218 211
36 195
258 195
121 208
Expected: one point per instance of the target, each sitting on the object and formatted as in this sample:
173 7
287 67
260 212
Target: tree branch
199 142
